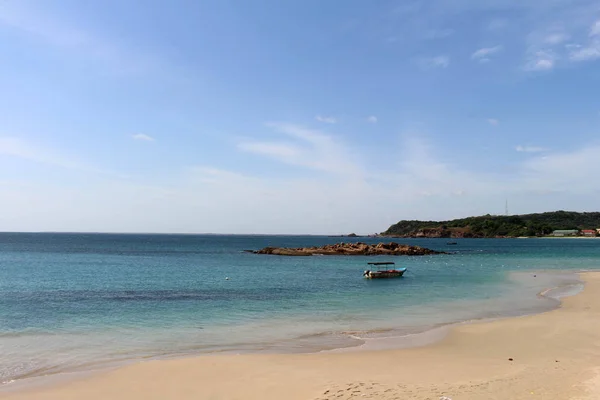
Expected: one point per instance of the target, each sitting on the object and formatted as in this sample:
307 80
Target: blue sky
273 116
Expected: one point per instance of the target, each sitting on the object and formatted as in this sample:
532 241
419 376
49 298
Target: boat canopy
382 266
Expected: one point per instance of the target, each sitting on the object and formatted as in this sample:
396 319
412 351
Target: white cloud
587 53
327 120
64 35
563 172
542 64
439 33
547 46
543 51
484 54
142 136
39 25
572 38
19 148
545 26
435 62
282 151
372 119
529 149
497 24
440 61
493 121
541 61
420 185
16 147
306 148
203 174
595 29
556 38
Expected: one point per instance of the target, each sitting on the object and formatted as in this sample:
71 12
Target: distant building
565 232
588 232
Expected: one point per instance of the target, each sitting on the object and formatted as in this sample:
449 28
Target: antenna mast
506 208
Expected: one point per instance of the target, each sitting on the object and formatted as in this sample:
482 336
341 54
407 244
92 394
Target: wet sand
554 355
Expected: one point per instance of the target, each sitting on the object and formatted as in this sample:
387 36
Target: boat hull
384 274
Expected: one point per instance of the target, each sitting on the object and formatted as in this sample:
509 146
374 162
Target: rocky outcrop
351 249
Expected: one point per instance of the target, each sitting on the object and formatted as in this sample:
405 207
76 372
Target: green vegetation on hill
498 225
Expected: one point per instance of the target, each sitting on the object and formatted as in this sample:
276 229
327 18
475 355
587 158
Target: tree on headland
541 224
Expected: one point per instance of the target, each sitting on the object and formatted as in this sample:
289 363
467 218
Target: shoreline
450 351
388 338
437 333
494 238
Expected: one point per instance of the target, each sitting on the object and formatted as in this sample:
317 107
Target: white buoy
226 278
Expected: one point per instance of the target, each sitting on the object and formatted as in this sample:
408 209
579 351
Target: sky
294 117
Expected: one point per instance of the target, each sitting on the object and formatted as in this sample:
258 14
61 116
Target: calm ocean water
76 301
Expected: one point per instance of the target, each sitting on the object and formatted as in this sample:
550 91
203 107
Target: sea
80 302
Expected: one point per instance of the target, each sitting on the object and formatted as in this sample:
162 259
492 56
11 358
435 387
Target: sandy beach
555 355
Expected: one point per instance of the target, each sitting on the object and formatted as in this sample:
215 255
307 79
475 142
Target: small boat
451 243
383 271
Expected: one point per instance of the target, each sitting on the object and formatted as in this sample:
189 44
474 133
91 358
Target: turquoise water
77 301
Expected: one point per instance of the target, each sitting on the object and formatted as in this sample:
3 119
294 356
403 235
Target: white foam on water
535 292
525 293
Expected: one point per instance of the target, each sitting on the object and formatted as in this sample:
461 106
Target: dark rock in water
351 249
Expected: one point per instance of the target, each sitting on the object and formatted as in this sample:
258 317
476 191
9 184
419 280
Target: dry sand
555 355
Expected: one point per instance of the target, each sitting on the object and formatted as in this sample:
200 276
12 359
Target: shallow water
74 301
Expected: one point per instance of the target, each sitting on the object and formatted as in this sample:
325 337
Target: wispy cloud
420 183
326 120
548 47
15 147
435 62
483 54
439 33
64 35
372 119
541 61
497 24
595 29
493 121
420 186
203 174
556 38
541 64
545 27
529 149
282 151
440 61
565 170
143 137
19 148
307 148
588 51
